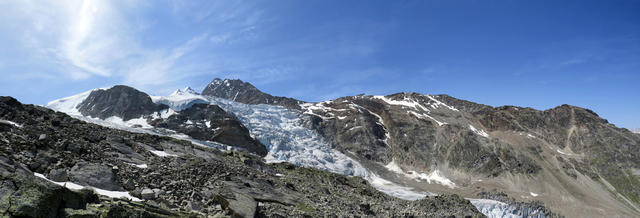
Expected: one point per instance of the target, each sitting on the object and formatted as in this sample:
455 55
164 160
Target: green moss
305 207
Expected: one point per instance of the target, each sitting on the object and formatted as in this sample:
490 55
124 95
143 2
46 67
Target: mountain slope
508 161
288 137
165 177
568 157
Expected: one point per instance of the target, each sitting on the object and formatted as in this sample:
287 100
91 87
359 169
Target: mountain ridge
564 134
437 143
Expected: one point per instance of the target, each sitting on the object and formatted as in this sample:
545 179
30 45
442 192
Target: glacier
281 130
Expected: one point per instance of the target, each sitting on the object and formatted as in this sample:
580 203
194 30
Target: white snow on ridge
405 102
180 100
73 186
439 103
426 116
69 104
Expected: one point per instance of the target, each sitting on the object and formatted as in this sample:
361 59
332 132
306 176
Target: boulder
148 194
95 175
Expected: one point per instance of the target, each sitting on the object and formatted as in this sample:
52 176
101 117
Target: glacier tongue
288 140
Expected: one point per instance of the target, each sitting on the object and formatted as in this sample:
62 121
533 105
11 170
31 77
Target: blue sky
528 53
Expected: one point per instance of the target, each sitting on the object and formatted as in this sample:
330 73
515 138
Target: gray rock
194 205
121 101
58 175
157 192
42 137
148 194
96 175
243 205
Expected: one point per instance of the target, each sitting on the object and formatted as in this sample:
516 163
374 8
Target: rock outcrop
211 123
243 92
120 101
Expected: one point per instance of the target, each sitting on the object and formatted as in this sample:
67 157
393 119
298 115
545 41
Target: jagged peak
186 90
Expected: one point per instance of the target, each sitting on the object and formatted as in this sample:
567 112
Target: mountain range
235 150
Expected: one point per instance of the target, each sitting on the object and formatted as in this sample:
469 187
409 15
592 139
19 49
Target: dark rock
213 124
244 92
58 175
95 175
121 101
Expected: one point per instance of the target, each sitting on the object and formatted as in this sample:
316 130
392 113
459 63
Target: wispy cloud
86 39
159 46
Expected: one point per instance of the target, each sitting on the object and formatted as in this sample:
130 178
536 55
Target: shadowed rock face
239 91
192 178
211 123
121 101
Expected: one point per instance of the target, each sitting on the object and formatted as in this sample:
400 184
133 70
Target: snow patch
141 166
162 154
133 123
439 103
425 116
479 132
533 194
396 190
433 177
73 186
559 151
8 122
164 114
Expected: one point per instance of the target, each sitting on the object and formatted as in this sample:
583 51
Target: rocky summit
243 92
236 151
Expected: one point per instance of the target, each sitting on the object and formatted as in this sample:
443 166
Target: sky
538 54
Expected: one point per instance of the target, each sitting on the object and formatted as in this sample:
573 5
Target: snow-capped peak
186 90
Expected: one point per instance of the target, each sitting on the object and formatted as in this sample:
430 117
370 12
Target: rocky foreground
163 177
